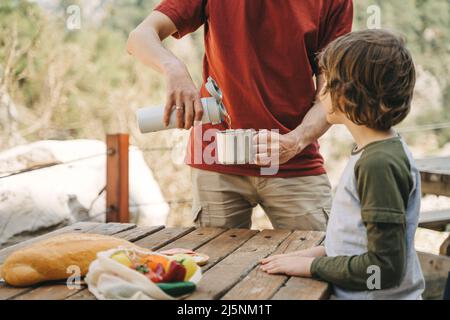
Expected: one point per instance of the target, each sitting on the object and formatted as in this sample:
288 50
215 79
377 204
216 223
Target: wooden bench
435 220
435 270
435 178
435 175
231 273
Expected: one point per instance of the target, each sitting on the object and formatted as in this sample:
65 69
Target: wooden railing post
117 178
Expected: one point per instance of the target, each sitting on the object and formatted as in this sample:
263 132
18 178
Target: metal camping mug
150 119
235 146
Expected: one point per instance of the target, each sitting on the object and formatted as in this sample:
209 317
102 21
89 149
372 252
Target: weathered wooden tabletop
231 273
435 175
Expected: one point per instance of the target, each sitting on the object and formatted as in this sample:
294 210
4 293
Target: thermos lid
216 112
213 89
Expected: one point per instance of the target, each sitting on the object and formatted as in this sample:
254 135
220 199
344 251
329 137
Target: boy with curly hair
369 247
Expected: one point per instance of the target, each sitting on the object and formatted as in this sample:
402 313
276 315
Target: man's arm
272 148
281 148
315 123
145 43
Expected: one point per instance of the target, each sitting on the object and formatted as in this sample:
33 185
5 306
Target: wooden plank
439 265
437 165
434 183
435 270
222 246
194 239
8 292
259 285
138 233
435 220
51 291
435 175
83 294
59 291
432 216
303 289
117 189
110 229
163 237
431 186
224 275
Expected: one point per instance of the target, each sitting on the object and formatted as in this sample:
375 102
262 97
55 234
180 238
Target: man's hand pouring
182 97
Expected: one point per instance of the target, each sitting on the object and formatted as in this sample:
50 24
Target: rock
71 191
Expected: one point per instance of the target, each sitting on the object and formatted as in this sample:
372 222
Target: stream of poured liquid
228 121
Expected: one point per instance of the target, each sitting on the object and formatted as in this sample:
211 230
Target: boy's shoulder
384 157
384 176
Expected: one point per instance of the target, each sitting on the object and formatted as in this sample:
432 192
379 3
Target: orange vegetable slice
153 260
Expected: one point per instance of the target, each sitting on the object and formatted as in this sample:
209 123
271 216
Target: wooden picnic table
435 175
231 273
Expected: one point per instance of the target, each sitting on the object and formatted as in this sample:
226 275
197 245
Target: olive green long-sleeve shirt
383 185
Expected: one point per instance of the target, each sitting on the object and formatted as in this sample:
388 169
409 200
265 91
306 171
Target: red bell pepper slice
176 272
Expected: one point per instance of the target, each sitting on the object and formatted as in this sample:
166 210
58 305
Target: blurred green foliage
81 78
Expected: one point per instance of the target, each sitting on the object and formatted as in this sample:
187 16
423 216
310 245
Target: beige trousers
226 201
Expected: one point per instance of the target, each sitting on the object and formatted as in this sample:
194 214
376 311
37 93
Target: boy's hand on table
291 265
318 251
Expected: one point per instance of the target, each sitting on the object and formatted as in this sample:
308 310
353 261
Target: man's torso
262 55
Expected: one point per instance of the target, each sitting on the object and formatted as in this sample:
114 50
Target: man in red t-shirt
262 54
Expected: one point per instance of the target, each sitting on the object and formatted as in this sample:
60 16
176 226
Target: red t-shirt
262 55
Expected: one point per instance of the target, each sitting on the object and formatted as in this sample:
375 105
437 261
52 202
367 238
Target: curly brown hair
370 77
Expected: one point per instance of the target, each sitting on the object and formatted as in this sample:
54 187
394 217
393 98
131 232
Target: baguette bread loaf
49 259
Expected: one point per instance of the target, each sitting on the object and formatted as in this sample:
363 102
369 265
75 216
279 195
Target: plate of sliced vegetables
129 273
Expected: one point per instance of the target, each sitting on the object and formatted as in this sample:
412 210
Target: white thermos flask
150 119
